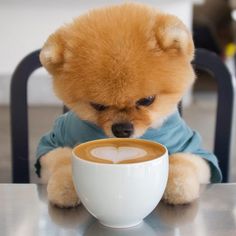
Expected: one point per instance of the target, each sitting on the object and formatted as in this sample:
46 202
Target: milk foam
118 154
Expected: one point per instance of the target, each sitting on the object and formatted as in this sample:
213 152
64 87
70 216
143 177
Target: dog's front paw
183 183
61 191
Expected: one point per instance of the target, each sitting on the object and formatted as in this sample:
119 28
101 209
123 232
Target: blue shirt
69 130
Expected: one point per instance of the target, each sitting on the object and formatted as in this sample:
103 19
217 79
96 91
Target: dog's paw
183 183
61 191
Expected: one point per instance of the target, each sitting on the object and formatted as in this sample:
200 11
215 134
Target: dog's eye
145 101
98 107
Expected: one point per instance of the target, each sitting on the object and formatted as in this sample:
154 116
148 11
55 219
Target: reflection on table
25 211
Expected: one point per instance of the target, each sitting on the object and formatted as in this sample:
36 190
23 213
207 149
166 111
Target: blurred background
25 25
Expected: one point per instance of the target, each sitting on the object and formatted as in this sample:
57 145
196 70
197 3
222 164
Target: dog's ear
52 53
172 35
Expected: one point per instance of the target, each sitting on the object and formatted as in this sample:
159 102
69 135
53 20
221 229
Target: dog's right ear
52 53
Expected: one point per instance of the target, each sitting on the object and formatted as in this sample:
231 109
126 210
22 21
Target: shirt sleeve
194 145
189 141
51 140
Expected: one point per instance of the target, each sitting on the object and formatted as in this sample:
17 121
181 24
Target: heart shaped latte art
118 154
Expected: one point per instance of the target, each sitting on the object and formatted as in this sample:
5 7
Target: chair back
211 63
19 117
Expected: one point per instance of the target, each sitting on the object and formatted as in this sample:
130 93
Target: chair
19 117
204 60
209 62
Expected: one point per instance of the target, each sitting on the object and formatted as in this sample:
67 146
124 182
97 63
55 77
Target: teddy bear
122 71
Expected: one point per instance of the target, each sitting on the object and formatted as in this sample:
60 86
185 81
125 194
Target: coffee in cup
119 151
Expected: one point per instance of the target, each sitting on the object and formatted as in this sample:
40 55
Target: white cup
120 195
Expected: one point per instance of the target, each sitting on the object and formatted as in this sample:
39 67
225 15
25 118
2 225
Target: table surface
24 211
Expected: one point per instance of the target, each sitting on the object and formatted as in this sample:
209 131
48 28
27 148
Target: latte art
118 154
119 151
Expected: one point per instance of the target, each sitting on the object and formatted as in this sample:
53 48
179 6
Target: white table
24 211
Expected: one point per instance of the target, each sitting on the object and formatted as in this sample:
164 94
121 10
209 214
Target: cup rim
120 164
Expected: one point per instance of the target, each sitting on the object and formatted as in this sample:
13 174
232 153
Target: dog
122 70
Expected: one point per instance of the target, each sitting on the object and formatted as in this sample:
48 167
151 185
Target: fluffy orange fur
108 58
115 56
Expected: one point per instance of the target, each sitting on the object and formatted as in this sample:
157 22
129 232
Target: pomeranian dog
122 70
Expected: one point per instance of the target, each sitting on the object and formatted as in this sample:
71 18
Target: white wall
25 25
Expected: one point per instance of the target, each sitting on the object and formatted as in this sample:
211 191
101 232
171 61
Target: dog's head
124 68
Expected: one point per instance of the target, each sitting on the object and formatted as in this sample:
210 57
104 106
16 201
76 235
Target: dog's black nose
122 130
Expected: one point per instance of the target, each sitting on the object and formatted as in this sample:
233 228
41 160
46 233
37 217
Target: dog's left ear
173 36
52 53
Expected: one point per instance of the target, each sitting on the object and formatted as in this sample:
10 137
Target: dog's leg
56 172
186 173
